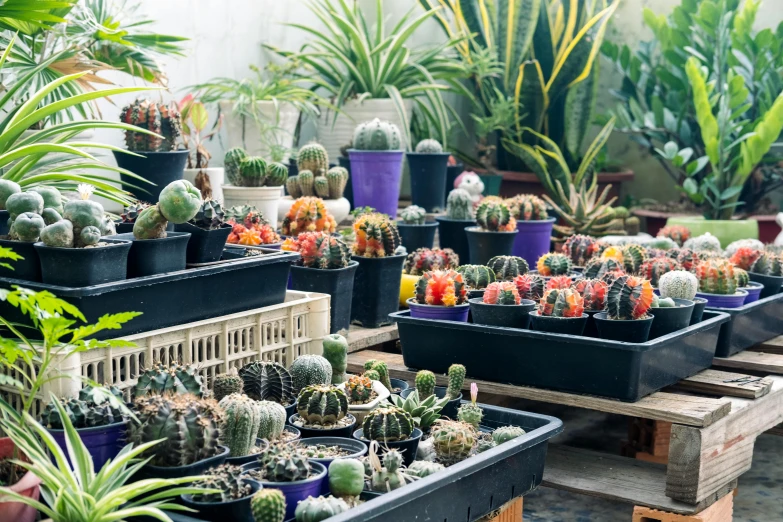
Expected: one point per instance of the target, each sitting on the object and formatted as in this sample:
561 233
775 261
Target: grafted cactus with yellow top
308 214
376 236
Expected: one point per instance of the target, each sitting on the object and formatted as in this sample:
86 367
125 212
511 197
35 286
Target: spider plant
30 16
348 60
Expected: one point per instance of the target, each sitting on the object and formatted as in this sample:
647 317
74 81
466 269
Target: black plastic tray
178 297
471 489
750 324
570 363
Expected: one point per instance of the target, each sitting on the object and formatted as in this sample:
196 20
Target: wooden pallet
715 418
362 338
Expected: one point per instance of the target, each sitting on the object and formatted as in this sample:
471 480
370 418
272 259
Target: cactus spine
387 424
425 383
716 276
456 376
313 157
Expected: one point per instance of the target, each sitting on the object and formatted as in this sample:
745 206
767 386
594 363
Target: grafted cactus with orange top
677 233
716 276
593 291
744 257
502 293
559 282
376 236
308 214
562 302
629 297
653 269
441 288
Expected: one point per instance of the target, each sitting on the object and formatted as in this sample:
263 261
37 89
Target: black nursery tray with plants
749 325
178 297
569 363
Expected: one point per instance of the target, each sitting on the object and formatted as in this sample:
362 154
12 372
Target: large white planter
216 179
265 199
338 208
244 132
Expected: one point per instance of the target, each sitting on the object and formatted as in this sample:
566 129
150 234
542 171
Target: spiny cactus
703 243
453 440
319 250
530 286
425 383
502 293
653 269
175 378
310 369
425 259
742 277
553 264
494 216
387 474
423 468
429 147
470 412
677 233
565 302
161 119
506 433
359 389
377 135
267 381
476 277
271 420
268 505
744 257
313 157
593 291
413 215
678 284
210 216
322 404
225 384
768 263
527 207
387 424
716 276
284 463
459 205
252 171
308 214
229 482
316 509
456 376
189 427
596 268
441 288
580 249
507 268
629 298
376 236
383 372
231 162
240 424
372 375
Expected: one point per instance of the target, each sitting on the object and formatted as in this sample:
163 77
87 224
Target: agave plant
583 211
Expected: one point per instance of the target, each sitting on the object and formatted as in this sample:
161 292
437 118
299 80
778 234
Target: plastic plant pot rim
426 224
113 243
351 264
255 486
94 429
751 284
607 318
325 430
433 154
343 442
535 221
681 303
739 292
378 388
452 220
360 151
412 300
415 434
357 258
315 467
522 302
479 230
535 312
224 453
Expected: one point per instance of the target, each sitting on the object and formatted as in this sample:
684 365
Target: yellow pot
407 288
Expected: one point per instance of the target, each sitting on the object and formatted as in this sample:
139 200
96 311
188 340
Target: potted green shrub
495 233
228 497
767 269
253 181
626 318
681 284
502 306
560 311
208 233
428 175
451 227
322 411
394 428
670 315
415 231
376 166
534 225
440 294
718 284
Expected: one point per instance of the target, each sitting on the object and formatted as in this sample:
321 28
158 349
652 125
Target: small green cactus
225 384
471 412
252 171
387 424
276 174
678 284
494 216
425 383
337 178
321 187
507 433
386 474
476 277
335 350
554 264
453 440
456 375
413 215
423 468
322 404
179 202
313 157
160 379
383 371
271 420
527 207
268 505
429 147
703 243
21 202
231 162
316 509
310 369
51 196
240 424
459 205
346 478
27 227
377 135
507 268
7 188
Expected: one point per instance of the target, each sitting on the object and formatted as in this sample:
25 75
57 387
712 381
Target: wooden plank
702 461
777 430
721 511
682 409
616 478
772 346
752 361
720 383
362 338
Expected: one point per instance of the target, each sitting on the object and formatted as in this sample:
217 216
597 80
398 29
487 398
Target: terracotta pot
27 486
768 227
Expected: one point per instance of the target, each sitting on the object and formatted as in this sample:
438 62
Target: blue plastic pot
533 239
444 313
724 301
298 490
754 291
103 443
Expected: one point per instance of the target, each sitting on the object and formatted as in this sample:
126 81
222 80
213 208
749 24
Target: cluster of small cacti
162 120
308 214
677 233
313 157
507 268
319 250
310 369
744 257
31 212
429 146
94 407
502 293
267 381
229 482
716 276
527 207
704 243
178 203
768 263
441 288
476 277
413 215
459 205
470 412
580 248
359 389
593 291
387 424
79 222
161 379
653 269
376 236
377 135
678 284
565 302
562 281
330 185
494 216
426 259
530 286
249 228
553 264
243 170
629 298
322 404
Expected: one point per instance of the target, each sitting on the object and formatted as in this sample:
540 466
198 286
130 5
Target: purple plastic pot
457 313
103 442
754 291
724 301
533 239
299 490
375 178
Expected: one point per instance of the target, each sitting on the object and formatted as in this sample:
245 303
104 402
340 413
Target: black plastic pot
557 325
80 267
575 364
750 324
376 290
407 447
668 320
630 331
124 228
263 444
204 246
4 216
157 256
197 468
590 328
290 410
26 269
485 245
417 236
357 448
221 511
175 298
451 407
428 180
452 171
308 433
398 384
510 316
451 234
160 168
337 283
699 304
771 284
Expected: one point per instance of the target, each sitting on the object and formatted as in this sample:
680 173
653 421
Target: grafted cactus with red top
319 250
502 293
163 120
688 258
530 286
425 259
580 248
744 257
376 236
629 297
559 282
593 291
565 302
441 288
653 269
716 276
677 233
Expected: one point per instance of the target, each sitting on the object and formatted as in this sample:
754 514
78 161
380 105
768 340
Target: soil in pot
260 446
457 313
668 320
630 331
559 325
342 428
725 301
157 256
197 468
294 492
533 239
771 284
26 269
407 447
699 304
376 290
485 245
160 168
510 316
238 509
76 267
451 234
204 246
754 290
417 236
103 442
337 283
428 180
326 449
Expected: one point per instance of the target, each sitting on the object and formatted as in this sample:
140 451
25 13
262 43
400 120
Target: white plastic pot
244 132
265 199
361 410
338 208
216 180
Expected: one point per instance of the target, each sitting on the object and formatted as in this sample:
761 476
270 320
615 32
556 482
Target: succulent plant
372 375
271 420
387 474
459 205
225 384
596 268
267 381
81 223
678 284
231 162
268 505
425 383
703 243
27 227
476 277
565 302
52 197
308 214
424 411
276 174
527 207
502 293
470 412
316 509
322 404
768 263
744 257
429 147
653 269
485 443
559 282
189 427
677 233
580 249
22 202
310 369
313 157
423 468
377 135
335 350
160 379
716 276
663 302
413 215
284 463
7 189
383 372
359 389
689 258
163 120
387 424
553 264
227 479
441 288
96 406
507 268
337 178
425 259
240 424
210 216
629 298
530 286
583 211
494 216
179 202
593 291
346 478
456 375
506 433
453 440
376 236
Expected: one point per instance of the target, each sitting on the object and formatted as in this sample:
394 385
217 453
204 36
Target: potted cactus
534 225
325 266
376 288
654 268
560 311
376 166
451 227
440 294
322 411
718 283
682 284
269 381
232 499
495 233
308 214
767 269
428 166
753 288
627 303
580 249
425 387
250 228
554 264
129 215
670 315
502 306
392 427
253 181
508 268
239 431
156 156
72 250
593 291
208 233
423 260
154 250
476 278
415 231
364 394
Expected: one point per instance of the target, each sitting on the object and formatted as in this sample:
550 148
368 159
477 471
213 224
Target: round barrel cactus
316 509
506 268
768 263
527 207
310 369
323 405
268 505
653 269
716 276
502 293
553 264
267 381
453 440
376 236
441 288
565 302
629 298
476 277
387 424
703 243
7 189
377 135
506 433
459 205
413 215
678 284
313 157
580 248
161 379
593 291
271 420
494 216
429 146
